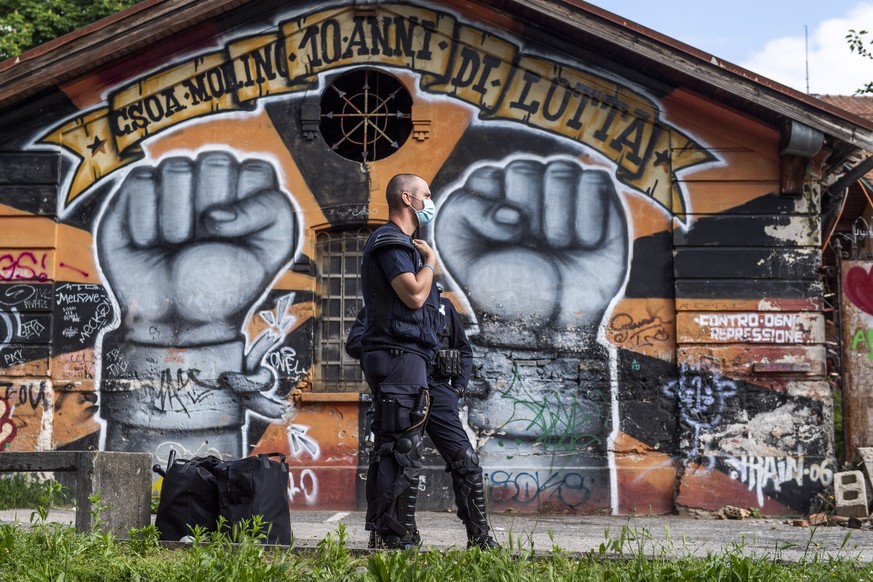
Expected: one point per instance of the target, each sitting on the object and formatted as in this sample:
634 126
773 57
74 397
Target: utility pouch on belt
419 411
448 362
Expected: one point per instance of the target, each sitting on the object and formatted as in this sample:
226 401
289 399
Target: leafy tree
27 23
857 40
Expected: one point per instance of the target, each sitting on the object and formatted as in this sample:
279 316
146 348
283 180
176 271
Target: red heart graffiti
858 287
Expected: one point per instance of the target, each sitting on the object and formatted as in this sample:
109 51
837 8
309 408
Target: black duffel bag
189 497
256 486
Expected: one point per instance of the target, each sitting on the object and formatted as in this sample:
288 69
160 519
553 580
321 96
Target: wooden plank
717 197
39 199
33 265
26 297
26 361
27 232
804 304
751 231
758 263
25 328
760 289
30 168
767 203
811 386
749 327
739 165
740 360
695 114
746 198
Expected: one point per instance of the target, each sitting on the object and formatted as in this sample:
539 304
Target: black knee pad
408 450
466 462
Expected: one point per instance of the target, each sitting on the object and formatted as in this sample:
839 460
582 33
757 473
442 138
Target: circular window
366 115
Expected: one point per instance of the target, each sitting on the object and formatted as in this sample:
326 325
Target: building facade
631 229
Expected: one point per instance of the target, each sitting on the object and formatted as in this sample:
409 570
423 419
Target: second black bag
189 497
256 486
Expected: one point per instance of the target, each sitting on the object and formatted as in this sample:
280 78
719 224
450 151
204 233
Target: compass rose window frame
363 114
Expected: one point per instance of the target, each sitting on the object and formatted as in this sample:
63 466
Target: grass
25 490
56 553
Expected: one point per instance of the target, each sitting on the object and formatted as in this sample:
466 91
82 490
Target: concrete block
122 480
863 460
850 494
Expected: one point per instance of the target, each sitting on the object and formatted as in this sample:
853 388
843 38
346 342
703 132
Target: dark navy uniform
447 379
448 383
398 344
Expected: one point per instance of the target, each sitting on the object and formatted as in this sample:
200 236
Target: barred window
338 254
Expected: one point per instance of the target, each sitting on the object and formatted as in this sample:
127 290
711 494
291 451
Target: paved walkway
660 536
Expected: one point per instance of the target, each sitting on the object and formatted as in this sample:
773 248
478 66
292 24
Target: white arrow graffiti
299 441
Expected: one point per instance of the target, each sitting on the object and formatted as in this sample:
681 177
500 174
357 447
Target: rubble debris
818 519
731 512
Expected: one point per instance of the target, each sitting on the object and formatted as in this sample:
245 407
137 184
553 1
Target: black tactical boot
475 519
485 542
395 542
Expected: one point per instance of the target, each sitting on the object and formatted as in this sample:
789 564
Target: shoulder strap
391 238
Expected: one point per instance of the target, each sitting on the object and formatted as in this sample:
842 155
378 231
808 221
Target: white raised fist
540 248
188 246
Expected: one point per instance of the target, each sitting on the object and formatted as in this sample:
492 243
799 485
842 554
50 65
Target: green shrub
25 490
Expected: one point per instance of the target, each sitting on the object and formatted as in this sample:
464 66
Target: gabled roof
591 30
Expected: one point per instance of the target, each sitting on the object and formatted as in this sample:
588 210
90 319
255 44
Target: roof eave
145 23
705 73
108 39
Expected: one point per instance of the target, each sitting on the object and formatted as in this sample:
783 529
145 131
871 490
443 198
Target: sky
774 38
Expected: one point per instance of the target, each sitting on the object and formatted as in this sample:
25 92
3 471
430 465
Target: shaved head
398 185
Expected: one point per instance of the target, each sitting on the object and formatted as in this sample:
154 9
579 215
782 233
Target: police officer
399 341
448 382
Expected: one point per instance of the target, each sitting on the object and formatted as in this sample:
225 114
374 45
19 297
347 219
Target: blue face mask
427 213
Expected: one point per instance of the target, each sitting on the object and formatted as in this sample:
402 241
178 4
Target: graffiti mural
701 398
187 247
7 426
857 317
643 306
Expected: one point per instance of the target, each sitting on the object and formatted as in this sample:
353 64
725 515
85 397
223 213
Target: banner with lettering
453 58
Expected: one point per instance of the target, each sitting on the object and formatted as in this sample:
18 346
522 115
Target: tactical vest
390 323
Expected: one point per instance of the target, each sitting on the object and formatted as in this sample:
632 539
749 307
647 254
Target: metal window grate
338 254
366 115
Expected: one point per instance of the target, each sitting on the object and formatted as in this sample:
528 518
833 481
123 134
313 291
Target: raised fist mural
539 248
187 248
